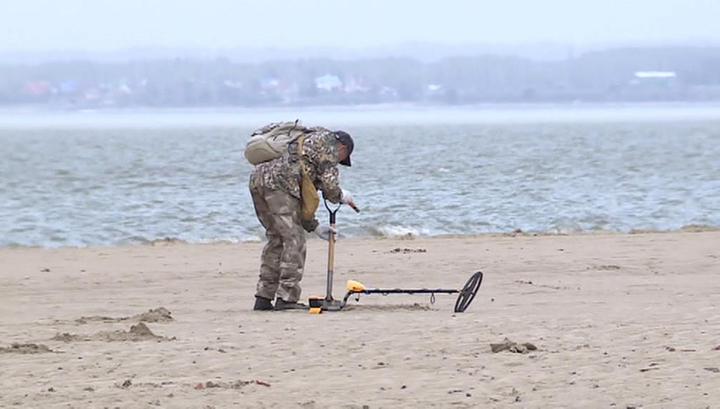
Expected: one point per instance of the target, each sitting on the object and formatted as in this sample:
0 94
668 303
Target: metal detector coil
467 293
465 297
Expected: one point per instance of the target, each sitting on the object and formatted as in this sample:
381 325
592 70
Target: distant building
653 79
328 82
232 84
68 86
123 89
93 94
356 85
655 74
388 92
38 88
269 84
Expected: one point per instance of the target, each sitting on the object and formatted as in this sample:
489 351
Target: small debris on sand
406 250
515 233
229 385
25 349
554 287
653 366
513 347
605 267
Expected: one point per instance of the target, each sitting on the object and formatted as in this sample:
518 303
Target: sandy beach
617 320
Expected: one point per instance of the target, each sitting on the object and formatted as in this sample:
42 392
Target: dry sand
589 320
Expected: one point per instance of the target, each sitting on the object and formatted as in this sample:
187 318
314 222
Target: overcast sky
106 25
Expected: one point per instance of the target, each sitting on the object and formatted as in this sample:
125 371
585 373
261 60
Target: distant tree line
642 74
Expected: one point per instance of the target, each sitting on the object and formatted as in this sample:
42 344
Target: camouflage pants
283 257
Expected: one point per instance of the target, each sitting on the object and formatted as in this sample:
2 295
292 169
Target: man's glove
346 197
324 232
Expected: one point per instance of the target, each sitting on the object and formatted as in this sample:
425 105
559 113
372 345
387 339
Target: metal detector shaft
403 291
385 291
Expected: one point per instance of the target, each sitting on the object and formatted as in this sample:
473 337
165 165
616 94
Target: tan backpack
271 141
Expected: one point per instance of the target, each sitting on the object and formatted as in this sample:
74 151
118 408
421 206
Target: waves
136 186
387 232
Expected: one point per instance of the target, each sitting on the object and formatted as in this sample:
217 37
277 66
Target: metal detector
319 304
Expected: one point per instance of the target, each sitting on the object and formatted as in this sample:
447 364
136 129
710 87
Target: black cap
345 139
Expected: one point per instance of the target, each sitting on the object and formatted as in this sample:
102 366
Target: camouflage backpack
271 141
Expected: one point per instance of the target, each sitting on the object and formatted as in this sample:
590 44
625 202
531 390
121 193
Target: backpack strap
300 139
308 192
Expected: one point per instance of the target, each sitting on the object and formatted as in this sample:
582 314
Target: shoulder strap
300 141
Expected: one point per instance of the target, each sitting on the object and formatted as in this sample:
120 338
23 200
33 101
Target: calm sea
99 178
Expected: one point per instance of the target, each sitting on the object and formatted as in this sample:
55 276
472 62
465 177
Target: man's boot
262 304
281 304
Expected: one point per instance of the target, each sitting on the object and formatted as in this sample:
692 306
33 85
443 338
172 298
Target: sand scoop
318 304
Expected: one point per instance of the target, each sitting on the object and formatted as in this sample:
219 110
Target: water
126 183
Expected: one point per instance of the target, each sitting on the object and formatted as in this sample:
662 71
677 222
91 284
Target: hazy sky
106 25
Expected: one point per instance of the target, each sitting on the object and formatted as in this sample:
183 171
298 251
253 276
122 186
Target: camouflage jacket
320 156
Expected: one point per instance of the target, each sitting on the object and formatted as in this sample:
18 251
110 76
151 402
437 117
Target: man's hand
346 197
324 232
